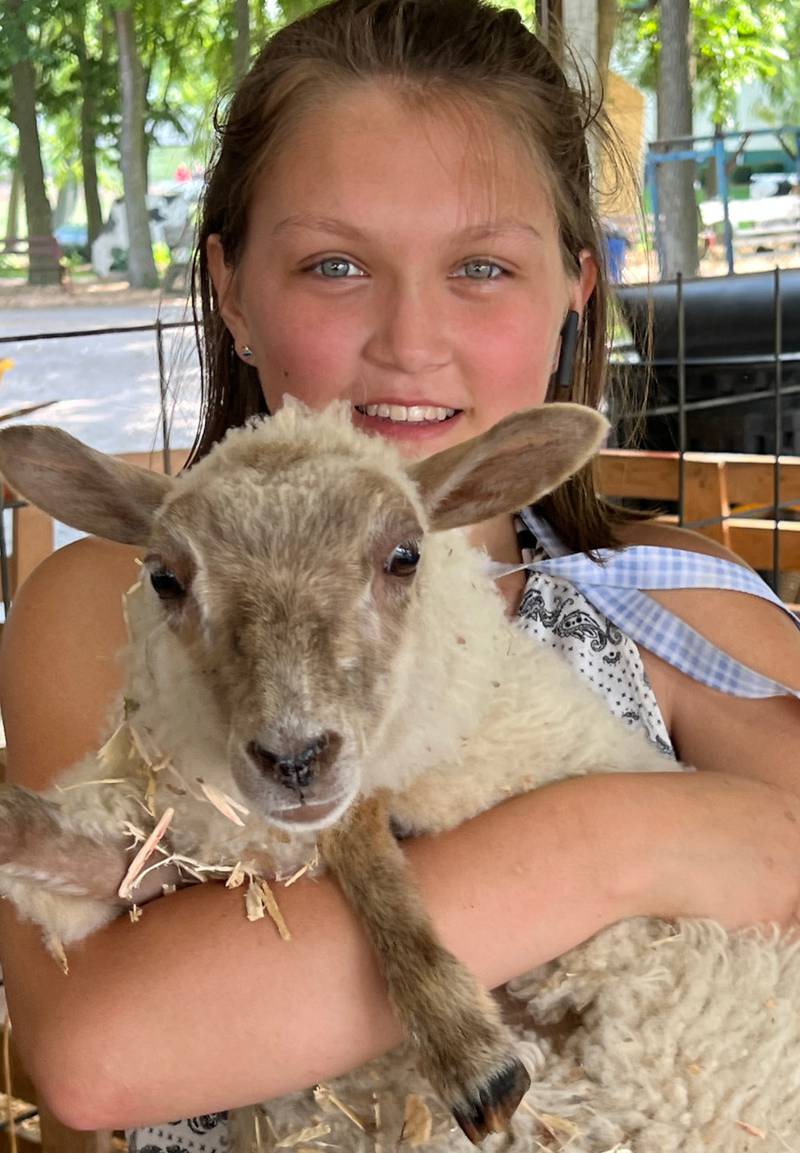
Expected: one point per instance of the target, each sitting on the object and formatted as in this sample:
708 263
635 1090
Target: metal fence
777 373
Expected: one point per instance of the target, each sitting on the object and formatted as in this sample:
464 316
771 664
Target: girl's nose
409 332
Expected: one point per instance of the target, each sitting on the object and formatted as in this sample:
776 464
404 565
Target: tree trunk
677 227
91 195
550 25
141 266
12 219
44 253
241 47
65 202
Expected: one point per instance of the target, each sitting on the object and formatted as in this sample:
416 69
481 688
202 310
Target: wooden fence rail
716 485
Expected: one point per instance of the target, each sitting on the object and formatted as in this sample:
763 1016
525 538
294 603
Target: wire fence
776 371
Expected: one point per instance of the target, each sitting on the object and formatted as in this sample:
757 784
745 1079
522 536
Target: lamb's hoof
494 1104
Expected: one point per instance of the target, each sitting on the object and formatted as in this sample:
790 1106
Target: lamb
307 604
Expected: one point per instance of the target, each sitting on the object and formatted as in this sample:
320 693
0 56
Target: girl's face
390 262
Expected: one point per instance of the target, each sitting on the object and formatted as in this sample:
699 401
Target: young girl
400 214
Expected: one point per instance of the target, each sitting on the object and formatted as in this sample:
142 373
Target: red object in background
182 174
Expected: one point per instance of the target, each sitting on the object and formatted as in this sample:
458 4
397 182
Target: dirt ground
83 294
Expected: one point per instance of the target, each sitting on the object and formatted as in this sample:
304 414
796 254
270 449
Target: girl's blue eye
481 270
335 268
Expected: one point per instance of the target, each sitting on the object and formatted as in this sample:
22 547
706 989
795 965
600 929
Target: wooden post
32 536
707 497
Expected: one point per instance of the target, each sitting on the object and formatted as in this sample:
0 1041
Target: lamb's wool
687 1039
673 1043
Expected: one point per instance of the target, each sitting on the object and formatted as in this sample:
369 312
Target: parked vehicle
169 212
766 184
73 240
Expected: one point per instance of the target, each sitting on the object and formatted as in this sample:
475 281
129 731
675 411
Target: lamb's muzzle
308 773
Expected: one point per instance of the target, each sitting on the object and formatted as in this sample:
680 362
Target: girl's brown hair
430 50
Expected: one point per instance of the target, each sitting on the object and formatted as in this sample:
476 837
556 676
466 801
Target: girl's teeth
415 414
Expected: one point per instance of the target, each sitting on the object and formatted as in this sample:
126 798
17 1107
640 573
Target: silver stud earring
247 351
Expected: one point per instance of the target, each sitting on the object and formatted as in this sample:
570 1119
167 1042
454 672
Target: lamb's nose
297 770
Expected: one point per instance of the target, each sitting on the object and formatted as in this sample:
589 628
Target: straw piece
751 1129
273 910
312 864
146 747
150 794
135 913
236 877
117 750
57 949
102 781
7 1078
310 1133
553 1123
417 1121
223 803
254 902
146 851
324 1095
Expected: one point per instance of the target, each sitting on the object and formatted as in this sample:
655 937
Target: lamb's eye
404 560
166 585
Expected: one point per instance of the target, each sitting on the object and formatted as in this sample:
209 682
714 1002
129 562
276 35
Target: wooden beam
706 498
626 473
751 479
654 475
752 540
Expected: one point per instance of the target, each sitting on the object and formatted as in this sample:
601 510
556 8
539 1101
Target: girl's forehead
369 151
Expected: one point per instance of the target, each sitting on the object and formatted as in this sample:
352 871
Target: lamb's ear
517 462
79 486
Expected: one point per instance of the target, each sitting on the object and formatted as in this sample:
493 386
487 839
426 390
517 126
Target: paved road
106 387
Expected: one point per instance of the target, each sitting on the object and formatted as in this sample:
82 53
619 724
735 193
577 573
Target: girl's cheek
310 355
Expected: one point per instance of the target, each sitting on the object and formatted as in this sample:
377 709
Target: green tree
734 43
783 85
141 265
16 60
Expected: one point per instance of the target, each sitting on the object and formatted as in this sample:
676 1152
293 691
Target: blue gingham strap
614 582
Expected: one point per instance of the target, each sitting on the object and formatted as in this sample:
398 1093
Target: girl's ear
224 281
79 486
514 464
586 282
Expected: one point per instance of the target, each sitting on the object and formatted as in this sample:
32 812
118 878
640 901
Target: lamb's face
294 608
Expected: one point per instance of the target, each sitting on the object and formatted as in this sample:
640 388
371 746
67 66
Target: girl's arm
195 1009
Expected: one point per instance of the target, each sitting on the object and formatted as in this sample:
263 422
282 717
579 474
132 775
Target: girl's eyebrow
483 231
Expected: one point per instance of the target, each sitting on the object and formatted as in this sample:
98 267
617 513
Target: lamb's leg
465 1050
56 875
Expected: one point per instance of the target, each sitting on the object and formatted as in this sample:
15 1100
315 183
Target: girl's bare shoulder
711 729
58 666
661 535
